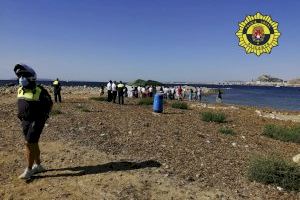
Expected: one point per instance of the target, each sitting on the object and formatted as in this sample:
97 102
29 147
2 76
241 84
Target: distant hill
268 78
294 81
141 82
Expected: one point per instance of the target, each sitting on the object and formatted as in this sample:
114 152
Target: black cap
25 71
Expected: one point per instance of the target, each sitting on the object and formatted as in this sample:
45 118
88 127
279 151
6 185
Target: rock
233 107
258 112
81 128
272 116
219 196
190 179
279 188
233 144
296 159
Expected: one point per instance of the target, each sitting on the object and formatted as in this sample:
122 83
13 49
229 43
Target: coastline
196 160
209 93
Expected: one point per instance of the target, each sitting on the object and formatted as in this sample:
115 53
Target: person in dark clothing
135 92
34 106
219 97
154 90
120 88
161 89
220 94
57 89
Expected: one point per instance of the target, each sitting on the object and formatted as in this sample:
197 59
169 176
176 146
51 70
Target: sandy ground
100 150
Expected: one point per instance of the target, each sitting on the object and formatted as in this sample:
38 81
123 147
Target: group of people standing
115 89
181 93
35 104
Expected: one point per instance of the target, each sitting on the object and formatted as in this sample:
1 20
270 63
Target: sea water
286 98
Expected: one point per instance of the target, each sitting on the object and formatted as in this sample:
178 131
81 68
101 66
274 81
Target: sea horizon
282 98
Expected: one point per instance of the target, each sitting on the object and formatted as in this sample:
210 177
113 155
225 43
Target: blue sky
165 40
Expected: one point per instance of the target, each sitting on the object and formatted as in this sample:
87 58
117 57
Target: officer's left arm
46 102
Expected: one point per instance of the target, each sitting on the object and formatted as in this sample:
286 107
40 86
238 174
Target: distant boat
277 86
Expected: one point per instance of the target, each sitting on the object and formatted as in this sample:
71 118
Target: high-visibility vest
55 82
120 85
28 94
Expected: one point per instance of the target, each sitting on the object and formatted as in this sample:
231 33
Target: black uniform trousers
114 95
109 95
121 97
57 94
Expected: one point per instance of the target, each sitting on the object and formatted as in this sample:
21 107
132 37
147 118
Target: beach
100 150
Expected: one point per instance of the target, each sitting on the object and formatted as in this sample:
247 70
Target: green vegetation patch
179 105
275 170
227 131
85 110
213 117
79 106
287 134
82 108
56 112
140 82
98 98
145 101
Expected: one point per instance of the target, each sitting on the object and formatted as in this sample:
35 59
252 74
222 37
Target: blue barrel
158 103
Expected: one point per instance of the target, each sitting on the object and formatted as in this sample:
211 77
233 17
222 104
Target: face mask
23 81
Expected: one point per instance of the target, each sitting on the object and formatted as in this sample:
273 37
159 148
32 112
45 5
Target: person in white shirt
114 91
150 91
199 94
165 90
109 94
143 91
139 88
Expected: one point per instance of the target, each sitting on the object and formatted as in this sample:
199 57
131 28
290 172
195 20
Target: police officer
34 106
120 89
57 89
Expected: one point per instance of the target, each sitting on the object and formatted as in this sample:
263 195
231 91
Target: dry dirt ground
100 150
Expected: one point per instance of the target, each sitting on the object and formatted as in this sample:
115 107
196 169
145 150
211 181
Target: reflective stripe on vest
120 85
55 82
28 95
